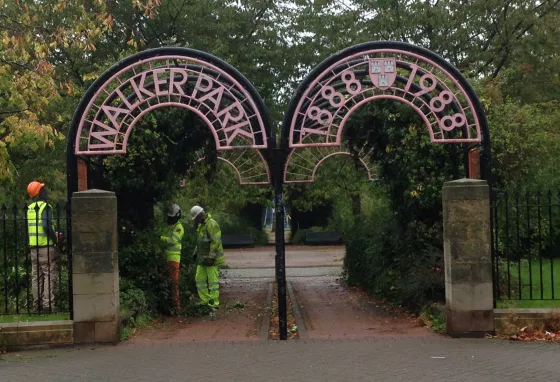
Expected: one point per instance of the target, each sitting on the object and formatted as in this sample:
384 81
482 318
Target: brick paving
373 359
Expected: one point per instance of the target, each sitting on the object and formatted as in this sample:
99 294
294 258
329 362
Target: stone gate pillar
468 259
95 269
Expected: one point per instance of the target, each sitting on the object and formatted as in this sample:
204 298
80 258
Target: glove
59 240
209 262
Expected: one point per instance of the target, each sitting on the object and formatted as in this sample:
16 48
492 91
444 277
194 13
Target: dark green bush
142 261
299 237
143 266
132 297
396 251
402 267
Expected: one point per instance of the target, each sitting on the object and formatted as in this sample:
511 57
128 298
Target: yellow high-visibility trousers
207 285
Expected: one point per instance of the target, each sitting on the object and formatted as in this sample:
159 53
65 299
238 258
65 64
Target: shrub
400 266
299 237
142 261
132 297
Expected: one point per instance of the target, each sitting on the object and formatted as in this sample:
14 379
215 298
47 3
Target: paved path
296 256
380 359
243 307
331 310
388 347
268 273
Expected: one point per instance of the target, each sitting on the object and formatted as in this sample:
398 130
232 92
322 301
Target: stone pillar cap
94 193
465 182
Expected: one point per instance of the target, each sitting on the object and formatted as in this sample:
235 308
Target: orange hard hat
33 188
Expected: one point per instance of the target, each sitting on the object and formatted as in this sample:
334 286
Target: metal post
5 234
71 187
280 248
16 256
506 246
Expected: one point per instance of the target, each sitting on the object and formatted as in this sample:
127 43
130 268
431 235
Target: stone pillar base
471 324
468 258
95 271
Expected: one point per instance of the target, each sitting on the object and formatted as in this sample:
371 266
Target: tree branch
257 19
3 112
18 64
514 36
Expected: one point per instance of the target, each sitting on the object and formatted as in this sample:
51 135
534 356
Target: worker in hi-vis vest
210 254
173 238
42 240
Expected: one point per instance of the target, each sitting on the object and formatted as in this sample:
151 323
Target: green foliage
46 165
144 269
142 261
34 317
299 237
396 250
51 52
15 263
131 297
239 210
159 151
332 200
400 266
525 144
435 318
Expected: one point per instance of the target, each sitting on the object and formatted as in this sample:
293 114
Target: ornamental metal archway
336 88
237 117
171 77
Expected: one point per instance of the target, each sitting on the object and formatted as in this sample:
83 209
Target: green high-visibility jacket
173 240
38 237
210 241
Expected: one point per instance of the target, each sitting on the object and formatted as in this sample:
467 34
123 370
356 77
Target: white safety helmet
174 211
195 211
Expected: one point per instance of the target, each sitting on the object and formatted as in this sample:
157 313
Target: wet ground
327 309
344 335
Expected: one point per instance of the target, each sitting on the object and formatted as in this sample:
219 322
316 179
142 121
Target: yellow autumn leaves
34 36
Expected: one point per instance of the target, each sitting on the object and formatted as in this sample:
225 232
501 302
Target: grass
34 317
535 291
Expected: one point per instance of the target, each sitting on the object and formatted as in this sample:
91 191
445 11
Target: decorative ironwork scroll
374 71
249 166
302 164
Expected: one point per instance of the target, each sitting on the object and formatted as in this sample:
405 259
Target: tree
31 34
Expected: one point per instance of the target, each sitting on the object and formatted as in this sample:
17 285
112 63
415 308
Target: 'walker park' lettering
171 87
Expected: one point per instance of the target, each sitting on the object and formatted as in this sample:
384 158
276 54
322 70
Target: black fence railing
34 275
526 247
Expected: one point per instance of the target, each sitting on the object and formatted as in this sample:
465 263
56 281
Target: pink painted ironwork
394 74
249 166
302 163
170 81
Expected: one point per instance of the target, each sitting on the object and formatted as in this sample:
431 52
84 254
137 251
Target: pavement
372 359
348 336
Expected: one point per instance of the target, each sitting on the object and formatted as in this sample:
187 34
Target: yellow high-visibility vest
173 240
37 235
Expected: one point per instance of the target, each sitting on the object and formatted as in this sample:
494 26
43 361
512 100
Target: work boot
212 305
